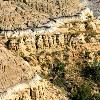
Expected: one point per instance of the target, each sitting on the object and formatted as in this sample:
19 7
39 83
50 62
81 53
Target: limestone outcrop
55 37
36 89
24 14
40 31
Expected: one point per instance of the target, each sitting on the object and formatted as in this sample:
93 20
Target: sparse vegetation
58 73
82 93
92 71
97 96
64 55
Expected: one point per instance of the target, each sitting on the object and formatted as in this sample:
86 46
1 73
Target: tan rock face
34 42
24 14
13 69
34 90
42 44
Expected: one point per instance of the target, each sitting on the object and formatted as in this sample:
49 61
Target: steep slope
36 89
69 39
13 69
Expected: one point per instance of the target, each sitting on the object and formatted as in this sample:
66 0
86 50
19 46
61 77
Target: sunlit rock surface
36 89
24 14
36 28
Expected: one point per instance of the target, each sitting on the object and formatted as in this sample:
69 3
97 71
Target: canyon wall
36 89
54 38
57 35
16 14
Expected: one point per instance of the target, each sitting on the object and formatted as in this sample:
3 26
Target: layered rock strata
52 34
24 14
55 37
36 89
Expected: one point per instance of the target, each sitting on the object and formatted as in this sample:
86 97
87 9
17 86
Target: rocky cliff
33 34
24 14
36 89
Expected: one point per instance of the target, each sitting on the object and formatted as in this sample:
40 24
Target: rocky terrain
24 14
36 89
49 50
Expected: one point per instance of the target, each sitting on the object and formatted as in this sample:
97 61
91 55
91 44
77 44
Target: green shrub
82 93
58 73
97 96
60 82
57 68
92 71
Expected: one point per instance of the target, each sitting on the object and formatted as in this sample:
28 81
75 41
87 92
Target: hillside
49 50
